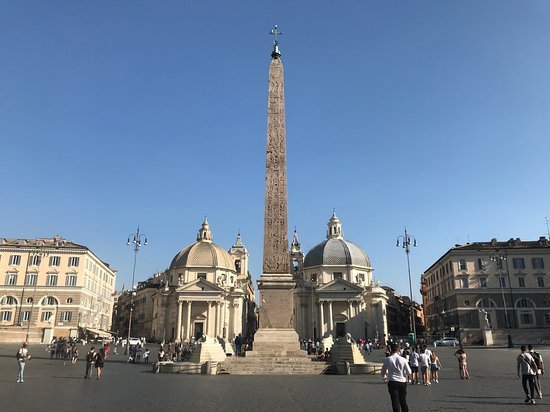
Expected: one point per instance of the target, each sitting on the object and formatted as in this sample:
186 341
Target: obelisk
276 335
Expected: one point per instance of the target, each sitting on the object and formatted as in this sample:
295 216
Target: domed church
206 290
335 293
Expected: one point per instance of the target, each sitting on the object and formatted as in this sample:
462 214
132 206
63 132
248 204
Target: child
146 355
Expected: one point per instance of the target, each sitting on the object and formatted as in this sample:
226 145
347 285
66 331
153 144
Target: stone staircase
260 365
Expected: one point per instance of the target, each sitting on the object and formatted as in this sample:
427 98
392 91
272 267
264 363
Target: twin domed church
209 290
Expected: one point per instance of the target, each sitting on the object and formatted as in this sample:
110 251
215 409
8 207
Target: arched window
49 301
486 303
524 303
8 300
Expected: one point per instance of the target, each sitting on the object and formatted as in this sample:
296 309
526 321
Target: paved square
50 385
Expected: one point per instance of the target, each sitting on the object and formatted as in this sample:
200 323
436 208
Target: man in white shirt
22 356
395 370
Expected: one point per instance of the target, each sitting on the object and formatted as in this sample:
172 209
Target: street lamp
134 238
406 244
499 258
31 255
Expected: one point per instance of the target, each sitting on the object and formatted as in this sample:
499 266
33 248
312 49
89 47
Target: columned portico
322 318
178 325
188 322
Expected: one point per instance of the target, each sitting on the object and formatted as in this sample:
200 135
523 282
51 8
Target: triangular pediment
200 285
340 286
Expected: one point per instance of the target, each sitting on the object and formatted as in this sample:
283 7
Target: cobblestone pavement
50 385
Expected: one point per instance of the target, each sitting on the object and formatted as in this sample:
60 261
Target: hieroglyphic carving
276 215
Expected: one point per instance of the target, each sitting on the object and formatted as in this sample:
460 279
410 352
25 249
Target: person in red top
395 370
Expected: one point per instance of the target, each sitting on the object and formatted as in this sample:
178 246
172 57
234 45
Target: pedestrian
99 361
537 357
435 366
462 363
238 345
146 355
161 354
413 363
395 370
424 362
528 368
90 358
22 357
74 357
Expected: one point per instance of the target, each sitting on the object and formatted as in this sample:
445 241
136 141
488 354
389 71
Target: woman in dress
99 360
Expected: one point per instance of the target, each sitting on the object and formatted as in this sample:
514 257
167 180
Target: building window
518 263
538 263
73 261
69 300
480 264
55 260
5 315
50 300
15 260
525 303
526 318
482 282
336 275
462 264
499 264
8 300
464 282
547 318
11 279
201 276
66 316
521 282
71 280
51 279
467 319
502 281
46 316
35 260
540 281
30 279
314 277
25 316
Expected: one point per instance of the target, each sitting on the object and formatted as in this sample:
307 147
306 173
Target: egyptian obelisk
276 335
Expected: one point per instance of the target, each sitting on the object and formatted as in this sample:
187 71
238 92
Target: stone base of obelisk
276 336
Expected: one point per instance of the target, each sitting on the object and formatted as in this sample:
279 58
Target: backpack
536 357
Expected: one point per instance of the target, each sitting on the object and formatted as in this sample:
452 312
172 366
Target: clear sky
428 114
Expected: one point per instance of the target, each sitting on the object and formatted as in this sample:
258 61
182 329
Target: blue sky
428 114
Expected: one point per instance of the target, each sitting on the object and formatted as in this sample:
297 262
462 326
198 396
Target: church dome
203 253
335 250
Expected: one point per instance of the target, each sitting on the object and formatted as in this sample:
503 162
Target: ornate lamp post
32 255
406 244
499 258
134 238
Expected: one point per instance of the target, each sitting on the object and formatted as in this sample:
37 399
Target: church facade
335 293
206 290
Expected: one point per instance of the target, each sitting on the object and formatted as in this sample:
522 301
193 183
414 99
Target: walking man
528 368
395 370
537 357
90 360
22 356
238 345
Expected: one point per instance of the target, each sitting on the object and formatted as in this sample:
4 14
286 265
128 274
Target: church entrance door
199 328
340 329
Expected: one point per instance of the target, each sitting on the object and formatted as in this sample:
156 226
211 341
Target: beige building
335 292
53 287
502 287
206 290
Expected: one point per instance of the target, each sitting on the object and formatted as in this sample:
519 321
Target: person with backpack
90 358
527 366
99 361
22 356
537 357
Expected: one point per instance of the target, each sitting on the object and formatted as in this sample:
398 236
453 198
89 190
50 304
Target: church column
188 323
322 317
208 318
178 326
224 322
330 320
350 304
